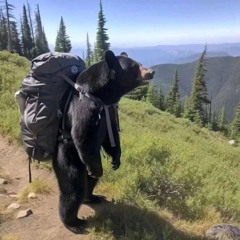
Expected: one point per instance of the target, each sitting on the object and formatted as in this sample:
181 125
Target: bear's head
113 77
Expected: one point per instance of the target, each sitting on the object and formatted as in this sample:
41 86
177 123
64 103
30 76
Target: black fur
78 163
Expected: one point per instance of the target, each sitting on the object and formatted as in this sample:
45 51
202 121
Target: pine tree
21 33
160 100
222 120
27 42
63 43
101 41
213 123
138 93
16 45
89 57
30 21
45 42
9 8
196 104
152 96
235 131
173 103
3 32
41 45
9 37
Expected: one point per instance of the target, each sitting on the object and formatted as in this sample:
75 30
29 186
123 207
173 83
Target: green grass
175 164
13 69
122 221
175 181
172 164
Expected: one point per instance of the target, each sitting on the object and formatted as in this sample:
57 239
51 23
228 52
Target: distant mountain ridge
160 54
222 79
196 56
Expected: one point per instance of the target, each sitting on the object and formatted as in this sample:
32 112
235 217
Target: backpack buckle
65 137
59 113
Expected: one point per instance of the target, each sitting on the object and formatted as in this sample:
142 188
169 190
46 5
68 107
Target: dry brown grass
37 186
10 237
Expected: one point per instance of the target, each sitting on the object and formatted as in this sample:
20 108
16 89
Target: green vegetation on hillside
175 164
13 69
222 80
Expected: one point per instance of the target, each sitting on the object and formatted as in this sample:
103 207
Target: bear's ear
124 54
110 58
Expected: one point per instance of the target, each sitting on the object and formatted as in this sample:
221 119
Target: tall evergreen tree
9 37
160 100
89 57
8 8
27 42
3 32
152 95
41 45
222 121
21 33
196 104
173 103
213 122
101 41
45 42
235 131
63 43
30 22
16 45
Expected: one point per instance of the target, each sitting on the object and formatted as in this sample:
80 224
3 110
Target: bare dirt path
44 223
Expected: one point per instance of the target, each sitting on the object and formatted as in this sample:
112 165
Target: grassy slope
13 69
170 163
176 179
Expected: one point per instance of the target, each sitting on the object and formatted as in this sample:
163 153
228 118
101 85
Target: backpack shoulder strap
69 81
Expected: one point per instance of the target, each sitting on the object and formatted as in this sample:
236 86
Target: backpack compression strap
98 101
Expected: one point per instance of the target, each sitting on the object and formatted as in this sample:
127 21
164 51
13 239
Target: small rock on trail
24 213
14 206
3 181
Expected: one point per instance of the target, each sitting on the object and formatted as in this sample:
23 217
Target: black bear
77 164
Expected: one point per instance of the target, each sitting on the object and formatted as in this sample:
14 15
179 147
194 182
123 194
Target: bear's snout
152 72
146 73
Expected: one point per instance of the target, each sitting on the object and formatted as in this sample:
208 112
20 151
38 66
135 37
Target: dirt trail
44 223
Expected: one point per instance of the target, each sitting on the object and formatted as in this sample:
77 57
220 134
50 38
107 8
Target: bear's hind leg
68 210
72 180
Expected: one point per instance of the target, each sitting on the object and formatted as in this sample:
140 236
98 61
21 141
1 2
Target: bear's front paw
116 163
94 171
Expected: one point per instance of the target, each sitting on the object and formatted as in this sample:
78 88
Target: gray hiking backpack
39 101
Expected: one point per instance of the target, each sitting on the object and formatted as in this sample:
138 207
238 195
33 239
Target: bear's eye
135 67
135 70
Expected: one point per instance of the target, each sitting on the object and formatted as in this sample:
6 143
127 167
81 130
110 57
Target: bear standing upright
77 164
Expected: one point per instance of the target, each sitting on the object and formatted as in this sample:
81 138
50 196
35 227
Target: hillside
222 79
13 69
176 179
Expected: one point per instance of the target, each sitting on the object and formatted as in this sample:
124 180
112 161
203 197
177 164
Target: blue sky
134 23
